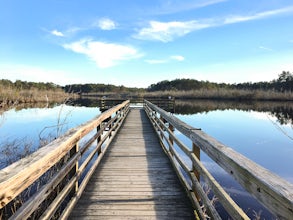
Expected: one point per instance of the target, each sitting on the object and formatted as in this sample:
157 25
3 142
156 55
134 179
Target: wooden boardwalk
135 179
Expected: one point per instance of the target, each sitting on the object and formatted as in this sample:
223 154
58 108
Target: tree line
99 88
284 83
18 92
24 85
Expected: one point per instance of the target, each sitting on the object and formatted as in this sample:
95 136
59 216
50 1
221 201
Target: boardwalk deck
135 179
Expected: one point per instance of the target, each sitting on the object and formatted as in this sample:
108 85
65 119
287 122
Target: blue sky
139 42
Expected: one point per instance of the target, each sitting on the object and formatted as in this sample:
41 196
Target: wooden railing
49 182
269 189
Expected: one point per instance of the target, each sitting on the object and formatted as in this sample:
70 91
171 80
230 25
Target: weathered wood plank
135 179
132 207
268 188
127 218
117 212
17 177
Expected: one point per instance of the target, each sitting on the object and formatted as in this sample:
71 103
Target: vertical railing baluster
110 126
74 150
196 151
171 128
116 120
99 127
162 121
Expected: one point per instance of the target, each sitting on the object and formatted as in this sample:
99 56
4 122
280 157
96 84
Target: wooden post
171 128
116 120
110 126
155 119
99 127
74 170
196 151
162 127
103 106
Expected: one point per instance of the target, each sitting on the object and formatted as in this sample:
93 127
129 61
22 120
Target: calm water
31 127
263 132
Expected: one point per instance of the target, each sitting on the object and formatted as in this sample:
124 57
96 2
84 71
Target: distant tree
181 84
285 76
285 81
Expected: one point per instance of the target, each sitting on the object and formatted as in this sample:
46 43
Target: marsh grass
10 96
224 94
204 93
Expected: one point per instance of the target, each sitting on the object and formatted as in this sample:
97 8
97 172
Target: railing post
162 120
120 113
196 151
171 128
99 127
115 121
103 104
74 150
156 119
110 126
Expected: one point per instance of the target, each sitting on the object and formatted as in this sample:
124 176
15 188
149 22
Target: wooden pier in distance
135 179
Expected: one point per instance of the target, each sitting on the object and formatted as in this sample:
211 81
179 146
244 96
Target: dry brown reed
228 94
9 96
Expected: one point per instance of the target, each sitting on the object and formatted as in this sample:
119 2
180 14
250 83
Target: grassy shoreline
228 94
212 94
10 97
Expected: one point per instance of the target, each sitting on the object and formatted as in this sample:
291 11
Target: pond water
263 132
32 127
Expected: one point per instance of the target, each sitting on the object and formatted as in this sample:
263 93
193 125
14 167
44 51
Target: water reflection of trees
283 111
284 115
86 102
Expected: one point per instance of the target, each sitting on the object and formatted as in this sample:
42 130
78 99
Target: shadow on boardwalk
135 179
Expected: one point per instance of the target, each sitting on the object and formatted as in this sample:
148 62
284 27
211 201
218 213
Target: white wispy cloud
169 59
103 54
156 61
57 33
177 6
265 48
73 30
256 16
177 57
106 24
103 24
168 31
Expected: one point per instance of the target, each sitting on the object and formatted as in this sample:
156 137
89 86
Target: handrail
71 159
271 190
